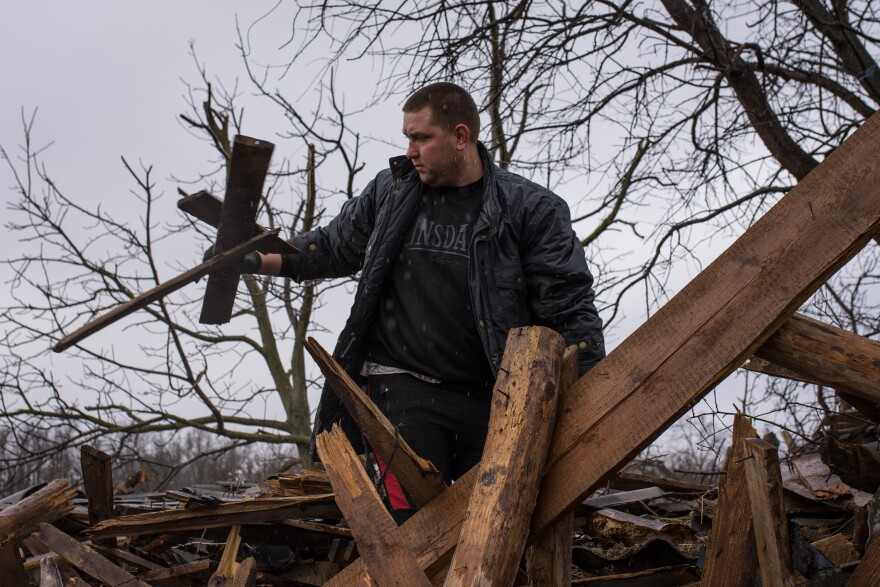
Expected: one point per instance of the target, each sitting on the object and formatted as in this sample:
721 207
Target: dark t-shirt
426 322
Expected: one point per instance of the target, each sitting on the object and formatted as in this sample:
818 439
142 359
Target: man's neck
472 167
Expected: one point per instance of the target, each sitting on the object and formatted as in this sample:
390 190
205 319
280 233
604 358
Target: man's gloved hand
250 263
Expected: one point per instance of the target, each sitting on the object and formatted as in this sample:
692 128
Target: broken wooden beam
731 554
523 412
143 300
176 572
52 502
97 475
683 575
238 218
693 342
855 464
218 516
827 355
380 545
84 558
548 560
207 207
418 476
764 480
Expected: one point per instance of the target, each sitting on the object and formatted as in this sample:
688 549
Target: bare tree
170 374
670 127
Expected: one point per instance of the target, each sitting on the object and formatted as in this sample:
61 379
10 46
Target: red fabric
392 486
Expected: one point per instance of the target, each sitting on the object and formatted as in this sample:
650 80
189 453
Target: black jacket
526 267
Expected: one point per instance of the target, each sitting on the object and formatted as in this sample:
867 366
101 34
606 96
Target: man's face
435 152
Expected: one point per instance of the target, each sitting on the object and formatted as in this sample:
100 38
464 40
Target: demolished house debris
789 523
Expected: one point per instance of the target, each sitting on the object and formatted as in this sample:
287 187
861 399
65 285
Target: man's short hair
450 105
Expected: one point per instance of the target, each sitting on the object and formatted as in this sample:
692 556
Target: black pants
444 425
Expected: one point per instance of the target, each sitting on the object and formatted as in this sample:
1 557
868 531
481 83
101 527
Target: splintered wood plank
379 542
731 554
418 476
520 425
143 300
207 207
827 355
867 573
218 516
160 575
230 573
50 576
764 480
52 502
693 342
548 561
683 575
98 483
84 558
238 218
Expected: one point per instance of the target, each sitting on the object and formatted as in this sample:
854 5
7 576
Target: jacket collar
490 214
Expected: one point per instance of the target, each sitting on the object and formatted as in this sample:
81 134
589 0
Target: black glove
250 263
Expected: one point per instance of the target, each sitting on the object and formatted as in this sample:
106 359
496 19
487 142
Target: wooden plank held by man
238 235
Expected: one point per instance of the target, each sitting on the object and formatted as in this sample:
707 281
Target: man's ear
462 136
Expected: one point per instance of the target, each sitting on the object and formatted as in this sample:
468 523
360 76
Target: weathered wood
127 557
623 528
853 463
84 558
817 477
867 574
238 217
98 483
12 571
218 516
693 342
143 300
630 481
548 560
524 402
660 577
50 576
207 207
380 545
230 573
159 575
764 480
838 549
316 527
418 476
731 553
826 354
52 502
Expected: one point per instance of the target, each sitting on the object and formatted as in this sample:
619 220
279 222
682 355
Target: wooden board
98 483
418 476
548 560
698 338
84 558
224 514
731 555
50 503
523 412
163 289
764 481
379 542
207 207
827 355
238 218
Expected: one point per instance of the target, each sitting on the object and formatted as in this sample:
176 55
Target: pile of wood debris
287 531
799 522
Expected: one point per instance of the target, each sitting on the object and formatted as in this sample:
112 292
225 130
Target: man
452 253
